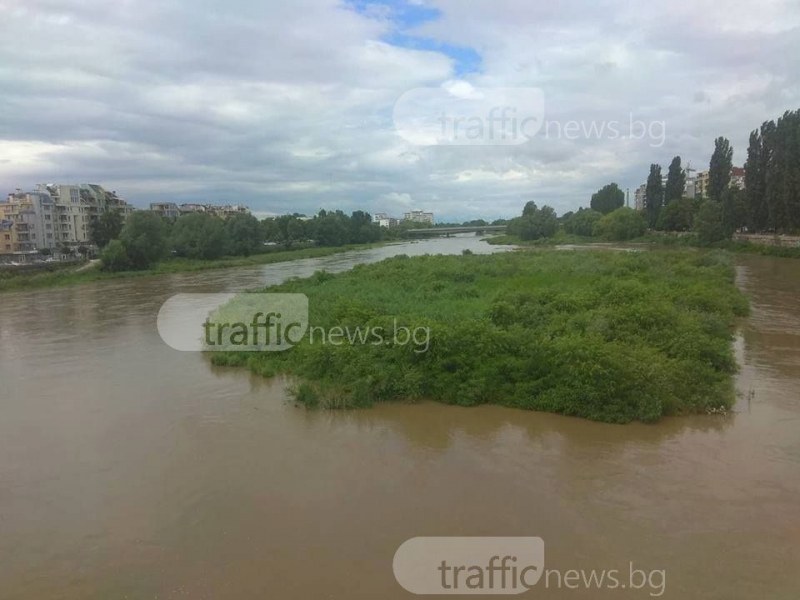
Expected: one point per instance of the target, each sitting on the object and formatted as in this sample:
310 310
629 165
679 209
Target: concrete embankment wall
787 241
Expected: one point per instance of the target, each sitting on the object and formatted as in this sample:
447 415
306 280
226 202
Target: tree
734 211
144 238
198 235
676 182
708 222
719 169
115 257
620 225
582 222
607 199
535 223
529 208
362 229
105 228
243 235
677 216
772 175
653 195
755 168
331 228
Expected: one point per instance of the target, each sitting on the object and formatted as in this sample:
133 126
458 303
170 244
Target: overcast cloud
287 106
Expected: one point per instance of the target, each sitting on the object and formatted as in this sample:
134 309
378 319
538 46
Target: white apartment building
419 216
385 220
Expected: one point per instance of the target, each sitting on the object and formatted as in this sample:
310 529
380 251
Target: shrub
620 225
144 237
607 336
115 257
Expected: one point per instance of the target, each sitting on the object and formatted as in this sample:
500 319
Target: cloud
288 106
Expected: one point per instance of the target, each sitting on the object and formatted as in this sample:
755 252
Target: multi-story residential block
171 210
385 220
737 177
33 222
168 210
701 184
419 216
54 215
639 196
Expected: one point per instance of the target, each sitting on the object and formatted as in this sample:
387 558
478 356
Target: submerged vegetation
609 336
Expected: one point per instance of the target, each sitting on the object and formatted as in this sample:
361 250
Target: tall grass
618 337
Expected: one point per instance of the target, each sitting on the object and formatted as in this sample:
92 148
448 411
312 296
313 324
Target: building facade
385 220
639 196
168 210
54 216
419 216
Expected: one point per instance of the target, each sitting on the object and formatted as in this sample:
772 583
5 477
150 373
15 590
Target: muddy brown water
131 470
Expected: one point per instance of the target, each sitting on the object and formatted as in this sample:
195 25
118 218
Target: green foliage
654 195
678 215
244 235
708 223
328 228
534 223
198 235
620 225
582 222
105 228
115 257
772 176
676 182
608 198
144 237
608 336
719 169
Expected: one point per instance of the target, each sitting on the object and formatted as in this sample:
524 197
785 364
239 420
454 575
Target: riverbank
60 275
614 337
657 239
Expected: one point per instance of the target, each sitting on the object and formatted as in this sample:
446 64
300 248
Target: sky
293 106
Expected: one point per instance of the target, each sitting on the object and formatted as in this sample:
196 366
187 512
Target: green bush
582 222
620 225
114 257
708 223
144 237
608 336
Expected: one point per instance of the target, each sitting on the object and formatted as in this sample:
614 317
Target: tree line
145 237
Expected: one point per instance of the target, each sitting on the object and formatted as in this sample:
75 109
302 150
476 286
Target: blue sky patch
404 15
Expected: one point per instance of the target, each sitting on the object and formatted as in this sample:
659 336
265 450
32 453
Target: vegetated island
609 336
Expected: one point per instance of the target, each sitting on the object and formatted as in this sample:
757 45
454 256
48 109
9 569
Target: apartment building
168 210
171 210
30 222
639 196
701 182
419 216
53 216
384 220
737 177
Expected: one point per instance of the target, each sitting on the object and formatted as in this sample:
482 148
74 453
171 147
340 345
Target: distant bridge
451 230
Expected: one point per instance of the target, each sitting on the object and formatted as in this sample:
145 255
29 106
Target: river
131 470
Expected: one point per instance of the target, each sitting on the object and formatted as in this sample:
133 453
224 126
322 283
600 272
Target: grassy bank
613 337
654 239
60 276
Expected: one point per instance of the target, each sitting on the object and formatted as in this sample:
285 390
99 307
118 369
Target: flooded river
131 470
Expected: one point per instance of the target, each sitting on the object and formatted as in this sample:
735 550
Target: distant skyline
287 107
